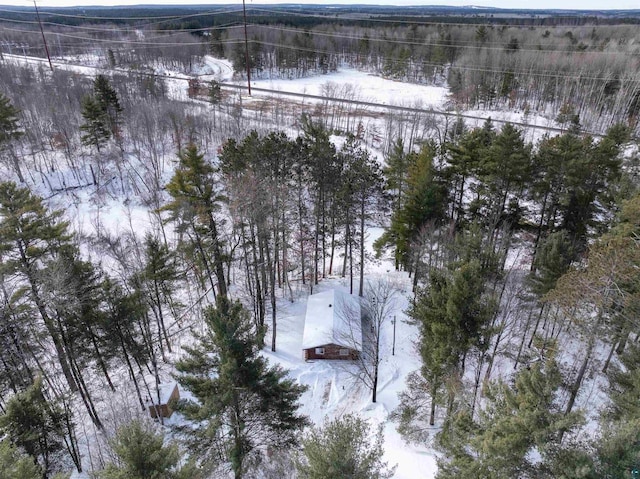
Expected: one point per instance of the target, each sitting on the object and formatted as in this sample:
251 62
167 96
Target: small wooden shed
169 395
332 327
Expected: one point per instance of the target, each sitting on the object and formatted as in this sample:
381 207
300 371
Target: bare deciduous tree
378 304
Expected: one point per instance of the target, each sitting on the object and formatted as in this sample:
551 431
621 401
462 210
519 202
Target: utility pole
246 47
393 348
44 40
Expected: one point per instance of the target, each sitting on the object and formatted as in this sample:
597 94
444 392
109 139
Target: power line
117 28
433 44
500 71
107 40
455 43
544 74
335 99
162 17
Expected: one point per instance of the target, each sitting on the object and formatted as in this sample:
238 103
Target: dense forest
519 253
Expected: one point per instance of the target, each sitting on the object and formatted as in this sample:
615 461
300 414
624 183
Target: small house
169 395
332 326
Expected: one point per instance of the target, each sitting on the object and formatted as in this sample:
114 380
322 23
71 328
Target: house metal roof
333 317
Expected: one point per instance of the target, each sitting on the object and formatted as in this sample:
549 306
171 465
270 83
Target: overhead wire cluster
163 38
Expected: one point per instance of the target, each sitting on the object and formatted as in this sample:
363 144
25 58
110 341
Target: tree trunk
575 387
272 295
132 374
218 262
535 327
51 329
333 242
160 316
100 360
432 415
205 261
301 232
362 218
539 231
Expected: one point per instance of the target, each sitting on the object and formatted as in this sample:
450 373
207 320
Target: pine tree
194 205
141 454
215 92
36 425
454 314
396 171
552 260
159 275
517 420
9 128
108 103
425 201
346 448
242 402
465 158
101 113
29 237
38 256
322 167
624 382
360 192
95 128
126 327
15 465
505 169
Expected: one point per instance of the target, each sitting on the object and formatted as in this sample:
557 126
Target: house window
344 352
319 350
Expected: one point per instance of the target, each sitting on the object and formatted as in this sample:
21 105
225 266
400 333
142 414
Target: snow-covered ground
349 83
332 389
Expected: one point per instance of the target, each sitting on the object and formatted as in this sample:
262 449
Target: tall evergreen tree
215 92
9 128
36 425
159 275
141 454
360 192
505 169
30 236
396 170
518 421
95 127
322 167
16 465
194 205
242 402
108 102
453 314
552 260
344 447
425 201
465 157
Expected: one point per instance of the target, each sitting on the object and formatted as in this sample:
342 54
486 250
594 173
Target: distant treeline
313 15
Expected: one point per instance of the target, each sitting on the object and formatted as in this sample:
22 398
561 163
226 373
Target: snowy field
353 84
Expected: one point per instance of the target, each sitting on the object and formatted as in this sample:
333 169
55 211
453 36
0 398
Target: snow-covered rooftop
166 389
333 317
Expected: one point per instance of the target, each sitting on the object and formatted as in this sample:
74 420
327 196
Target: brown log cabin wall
331 351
